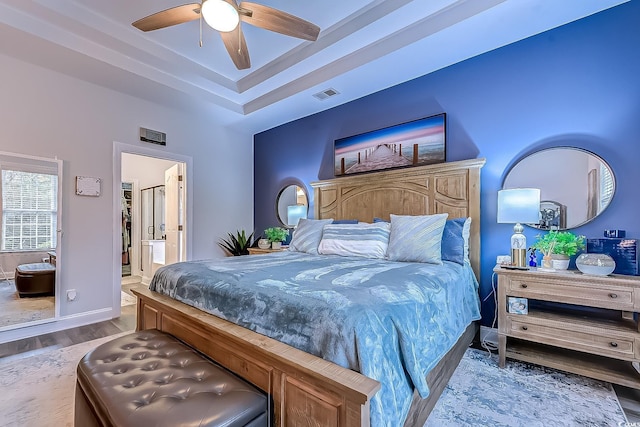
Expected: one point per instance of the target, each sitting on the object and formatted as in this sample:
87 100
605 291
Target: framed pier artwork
416 143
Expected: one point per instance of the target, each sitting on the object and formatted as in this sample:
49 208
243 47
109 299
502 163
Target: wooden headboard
452 188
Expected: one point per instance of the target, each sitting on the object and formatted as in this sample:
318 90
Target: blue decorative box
623 251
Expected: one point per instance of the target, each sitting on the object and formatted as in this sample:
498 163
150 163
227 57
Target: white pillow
307 235
416 238
364 240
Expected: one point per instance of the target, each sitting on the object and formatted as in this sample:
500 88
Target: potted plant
276 235
237 244
557 247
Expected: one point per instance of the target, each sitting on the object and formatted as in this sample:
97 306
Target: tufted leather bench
150 378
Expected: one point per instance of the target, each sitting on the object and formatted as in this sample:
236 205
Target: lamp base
519 258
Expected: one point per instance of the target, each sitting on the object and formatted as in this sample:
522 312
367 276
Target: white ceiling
364 46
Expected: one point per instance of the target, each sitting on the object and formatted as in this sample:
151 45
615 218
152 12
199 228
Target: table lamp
519 205
294 213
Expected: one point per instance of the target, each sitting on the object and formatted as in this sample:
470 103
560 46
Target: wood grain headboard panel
452 188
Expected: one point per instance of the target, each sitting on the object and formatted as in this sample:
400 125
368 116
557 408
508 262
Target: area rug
521 394
127 299
39 390
15 310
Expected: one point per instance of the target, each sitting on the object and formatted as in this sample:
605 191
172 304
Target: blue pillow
376 219
345 221
416 238
307 235
455 240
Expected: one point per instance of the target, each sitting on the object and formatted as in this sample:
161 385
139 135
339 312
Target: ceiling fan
225 16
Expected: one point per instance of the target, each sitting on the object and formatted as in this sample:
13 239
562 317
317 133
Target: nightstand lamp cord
485 343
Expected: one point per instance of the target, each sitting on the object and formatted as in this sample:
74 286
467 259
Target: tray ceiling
364 46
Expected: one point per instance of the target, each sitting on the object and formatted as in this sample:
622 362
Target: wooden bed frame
307 390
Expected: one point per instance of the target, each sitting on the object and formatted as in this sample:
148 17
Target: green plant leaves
276 234
559 242
237 244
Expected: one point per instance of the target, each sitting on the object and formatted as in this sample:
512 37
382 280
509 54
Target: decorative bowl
596 264
264 244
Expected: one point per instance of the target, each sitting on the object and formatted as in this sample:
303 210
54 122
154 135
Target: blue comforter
391 321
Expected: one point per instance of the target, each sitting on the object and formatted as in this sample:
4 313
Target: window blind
29 210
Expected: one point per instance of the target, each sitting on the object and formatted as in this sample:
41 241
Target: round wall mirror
291 205
575 185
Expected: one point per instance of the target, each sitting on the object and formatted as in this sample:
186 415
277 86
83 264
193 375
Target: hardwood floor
630 401
34 345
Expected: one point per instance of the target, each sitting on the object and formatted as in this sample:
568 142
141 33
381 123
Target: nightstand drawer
593 295
617 347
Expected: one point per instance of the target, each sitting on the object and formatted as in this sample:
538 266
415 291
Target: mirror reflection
30 214
291 205
575 185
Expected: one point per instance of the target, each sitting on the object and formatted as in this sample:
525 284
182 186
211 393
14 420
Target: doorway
160 180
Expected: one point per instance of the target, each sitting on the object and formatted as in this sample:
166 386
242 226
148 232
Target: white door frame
118 149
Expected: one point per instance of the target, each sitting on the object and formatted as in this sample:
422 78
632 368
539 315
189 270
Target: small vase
264 244
547 263
276 245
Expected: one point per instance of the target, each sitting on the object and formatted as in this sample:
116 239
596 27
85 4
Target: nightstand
587 325
257 251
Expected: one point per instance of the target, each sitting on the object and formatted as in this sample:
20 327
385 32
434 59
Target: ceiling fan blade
276 20
237 47
167 18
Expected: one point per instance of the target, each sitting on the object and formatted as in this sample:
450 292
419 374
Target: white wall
148 171
48 114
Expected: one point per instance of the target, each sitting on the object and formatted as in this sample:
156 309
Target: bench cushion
36 268
150 378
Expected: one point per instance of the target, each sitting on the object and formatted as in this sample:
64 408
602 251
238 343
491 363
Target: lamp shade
294 213
220 15
519 205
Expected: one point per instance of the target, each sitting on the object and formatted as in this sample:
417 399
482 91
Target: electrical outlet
71 295
503 259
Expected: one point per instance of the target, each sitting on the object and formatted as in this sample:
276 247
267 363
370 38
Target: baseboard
55 325
489 335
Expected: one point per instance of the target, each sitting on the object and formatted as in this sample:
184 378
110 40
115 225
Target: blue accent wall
576 85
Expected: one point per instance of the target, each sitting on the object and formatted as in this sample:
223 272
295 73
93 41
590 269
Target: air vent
327 93
153 136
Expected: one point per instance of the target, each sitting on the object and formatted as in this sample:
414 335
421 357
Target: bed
306 389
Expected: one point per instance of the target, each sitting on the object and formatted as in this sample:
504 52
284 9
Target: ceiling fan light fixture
220 15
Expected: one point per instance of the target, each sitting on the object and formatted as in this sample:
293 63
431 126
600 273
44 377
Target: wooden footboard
306 390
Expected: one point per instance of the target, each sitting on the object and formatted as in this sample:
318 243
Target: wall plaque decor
88 186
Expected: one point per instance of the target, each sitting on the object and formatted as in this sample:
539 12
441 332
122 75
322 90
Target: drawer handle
613 296
524 285
524 328
613 344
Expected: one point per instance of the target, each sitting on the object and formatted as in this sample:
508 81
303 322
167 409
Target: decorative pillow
307 235
345 221
365 240
376 219
416 238
455 240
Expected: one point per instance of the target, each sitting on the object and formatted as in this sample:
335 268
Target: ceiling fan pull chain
239 40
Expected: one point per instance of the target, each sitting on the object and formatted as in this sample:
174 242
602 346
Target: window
29 209
606 187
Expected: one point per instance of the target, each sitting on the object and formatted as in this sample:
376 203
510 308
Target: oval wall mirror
291 205
575 185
